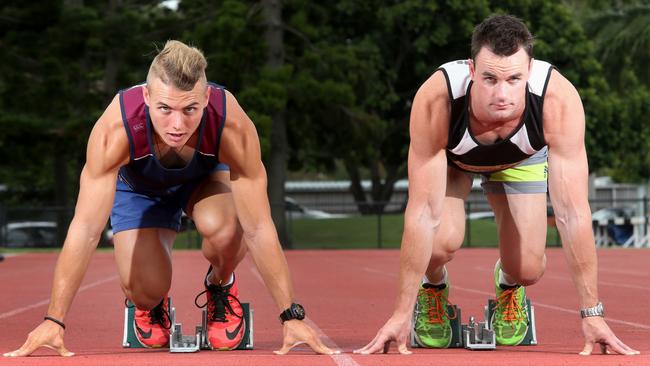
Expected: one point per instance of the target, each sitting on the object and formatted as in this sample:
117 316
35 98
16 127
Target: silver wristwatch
597 310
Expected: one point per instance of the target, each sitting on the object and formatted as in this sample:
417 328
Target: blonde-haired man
159 149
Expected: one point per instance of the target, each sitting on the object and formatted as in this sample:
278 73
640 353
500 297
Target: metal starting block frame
478 336
472 336
531 335
180 343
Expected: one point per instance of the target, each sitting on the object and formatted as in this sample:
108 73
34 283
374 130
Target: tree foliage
350 71
621 35
62 63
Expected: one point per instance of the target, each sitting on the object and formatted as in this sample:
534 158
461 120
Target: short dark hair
503 35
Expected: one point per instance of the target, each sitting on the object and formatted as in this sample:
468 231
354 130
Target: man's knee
220 234
529 272
144 297
446 244
442 254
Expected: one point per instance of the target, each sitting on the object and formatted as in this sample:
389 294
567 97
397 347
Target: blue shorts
136 210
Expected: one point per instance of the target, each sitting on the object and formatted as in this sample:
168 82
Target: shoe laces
157 315
509 302
437 301
219 303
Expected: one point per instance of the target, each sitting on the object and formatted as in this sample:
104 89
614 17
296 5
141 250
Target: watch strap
597 310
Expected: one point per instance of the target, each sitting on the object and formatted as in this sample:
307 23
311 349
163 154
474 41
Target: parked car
29 234
37 234
296 211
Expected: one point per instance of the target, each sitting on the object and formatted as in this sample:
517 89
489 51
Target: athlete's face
175 114
499 89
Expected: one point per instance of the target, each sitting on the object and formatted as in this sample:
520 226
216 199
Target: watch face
298 311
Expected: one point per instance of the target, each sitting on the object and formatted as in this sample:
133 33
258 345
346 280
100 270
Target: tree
365 68
622 38
278 156
373 57
621 35
61 64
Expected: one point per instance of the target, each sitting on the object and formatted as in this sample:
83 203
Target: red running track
348 296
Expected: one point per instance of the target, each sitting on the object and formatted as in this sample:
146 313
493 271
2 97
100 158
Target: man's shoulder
131 99
559 87
133 89
456 77
561 101
435 87
108 145
456 65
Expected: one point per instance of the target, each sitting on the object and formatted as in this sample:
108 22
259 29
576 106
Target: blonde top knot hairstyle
180 65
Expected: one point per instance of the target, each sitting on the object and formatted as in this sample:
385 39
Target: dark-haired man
514 120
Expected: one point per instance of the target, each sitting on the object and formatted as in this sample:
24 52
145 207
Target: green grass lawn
362 232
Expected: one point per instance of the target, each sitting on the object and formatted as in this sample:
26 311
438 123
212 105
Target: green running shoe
432 323
509 316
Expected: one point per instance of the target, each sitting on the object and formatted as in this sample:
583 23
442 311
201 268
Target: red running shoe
226 323
152 327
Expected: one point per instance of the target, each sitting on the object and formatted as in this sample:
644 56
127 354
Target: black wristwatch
295 311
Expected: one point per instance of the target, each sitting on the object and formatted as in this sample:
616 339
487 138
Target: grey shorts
529 176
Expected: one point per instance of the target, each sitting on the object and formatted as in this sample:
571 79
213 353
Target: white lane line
340 359
47 301
539 304
628 273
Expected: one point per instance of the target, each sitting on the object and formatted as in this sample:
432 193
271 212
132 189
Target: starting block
180 343
531 335
478 336
472 336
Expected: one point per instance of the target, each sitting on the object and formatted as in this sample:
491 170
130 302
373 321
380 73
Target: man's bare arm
240 149
564 130
107 151
427 167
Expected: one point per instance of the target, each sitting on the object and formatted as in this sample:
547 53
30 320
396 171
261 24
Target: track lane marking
47 301
340 359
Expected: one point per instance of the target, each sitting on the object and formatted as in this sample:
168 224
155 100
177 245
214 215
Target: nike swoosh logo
143 334
232 335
